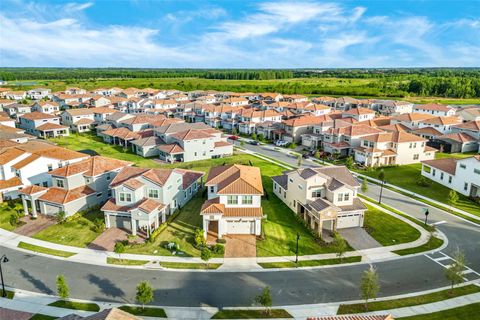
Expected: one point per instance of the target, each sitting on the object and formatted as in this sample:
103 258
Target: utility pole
3 259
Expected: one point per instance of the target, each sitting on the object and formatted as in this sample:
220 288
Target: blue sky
240 34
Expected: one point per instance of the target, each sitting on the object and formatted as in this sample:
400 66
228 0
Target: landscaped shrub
14 219
218 249
199 238
98 225
222 240
423 182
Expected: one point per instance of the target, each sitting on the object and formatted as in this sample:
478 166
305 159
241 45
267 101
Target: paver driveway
33 226
106 241
240 246
358 238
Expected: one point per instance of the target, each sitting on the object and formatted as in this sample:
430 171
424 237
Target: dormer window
60 183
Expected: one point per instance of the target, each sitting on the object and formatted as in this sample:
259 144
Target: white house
435 109
234 201
43 125
461 175
50 107
325 197
39 93
79 120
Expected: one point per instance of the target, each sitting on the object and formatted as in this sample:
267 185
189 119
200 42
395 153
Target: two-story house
435 109
46 107
325 197
43 125
79 120
234 201
359 114
39 93
392 107
142 198
75 187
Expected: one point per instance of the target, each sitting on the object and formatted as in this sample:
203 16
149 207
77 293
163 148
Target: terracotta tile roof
157 176
146 204
432 107
80 111
219 144
191 135
10 154
50 126
173 148
428 131
133 184
394 127
24 162
353 317
413 117
448 165
148 141
443 120
306 120
359 111
236 179
104 110
91 167
37 116
6 144
5 119
394 136
459 137
60 153
189 176
112 314
84 121
354 130
469 125
61 196
10 183
213 206
32 189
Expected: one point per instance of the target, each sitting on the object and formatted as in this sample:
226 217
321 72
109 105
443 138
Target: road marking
445 257
442 258
438 223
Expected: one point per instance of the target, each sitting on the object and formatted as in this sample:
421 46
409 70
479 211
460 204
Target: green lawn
49 251
78 231
251 314
194 266
387 229
410 301
126 262
10 294
468 312
433 243
86 306
145 312
407 176
309 263
5 212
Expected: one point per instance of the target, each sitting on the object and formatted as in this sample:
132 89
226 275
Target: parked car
281 143
233 137
305 155
253 142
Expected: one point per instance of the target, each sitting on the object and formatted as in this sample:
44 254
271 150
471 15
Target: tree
349 162
317 154
62 287
364 187
119 248
234 131
452 198
261 138
339 245
369 286
144 293
265 299
299 160
14 219
199 238
381 175
60 216
206 254
254 136
454 272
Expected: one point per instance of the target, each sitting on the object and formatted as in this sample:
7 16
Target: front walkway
358 238
240 246
34 225
106 241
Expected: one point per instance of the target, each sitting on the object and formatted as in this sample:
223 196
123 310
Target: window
50 167
449 179
294 204
463 166
153 193
125 197
291 180
300 187
433 172
169 187
99 195
108 177
340 197
212 189
45 184
274 186
477 171
427 169
347 197
317 193
60 184
415 157
465 186
232 199
247 199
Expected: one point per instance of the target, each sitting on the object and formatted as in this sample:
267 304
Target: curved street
288 287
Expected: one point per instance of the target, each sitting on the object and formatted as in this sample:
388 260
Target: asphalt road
173 288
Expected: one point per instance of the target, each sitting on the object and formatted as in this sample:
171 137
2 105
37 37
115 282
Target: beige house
325 197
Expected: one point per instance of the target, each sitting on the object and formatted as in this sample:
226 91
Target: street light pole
426 215
381 192
296 251
3 259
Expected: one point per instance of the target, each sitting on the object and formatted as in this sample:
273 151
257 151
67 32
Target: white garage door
349 221
240 227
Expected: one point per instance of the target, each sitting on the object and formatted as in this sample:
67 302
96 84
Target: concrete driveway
240 246
358 238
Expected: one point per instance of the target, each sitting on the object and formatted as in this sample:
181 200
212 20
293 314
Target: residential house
342 140
43 125
39 93
49 107
472 128
325 197
234 201
455 142
142 198
359 114
438 110
392 107
17 109
75 187
461 175
79 120
15 95
442 123
411 120
7 121
100 115
392 148
249 118
470 113
293 129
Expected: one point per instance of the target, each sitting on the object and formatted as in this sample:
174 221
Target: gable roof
61 196
37 116
91 167
236 179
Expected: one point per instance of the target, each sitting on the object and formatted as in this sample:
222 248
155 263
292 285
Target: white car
280 143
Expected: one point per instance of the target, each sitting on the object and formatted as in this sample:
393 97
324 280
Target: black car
305 155
253 142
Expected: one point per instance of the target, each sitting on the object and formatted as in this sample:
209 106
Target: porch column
205 227
157 223
34 209
220 228
320 227
107 220
134 227
25 205
149 229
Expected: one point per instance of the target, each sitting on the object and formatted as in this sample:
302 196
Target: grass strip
126 262
309 263
40 316
85 306
469 311
251 314
433 243
145 312
10 294
53 252
410 301
186 265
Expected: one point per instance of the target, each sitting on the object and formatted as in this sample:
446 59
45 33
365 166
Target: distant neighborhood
173 126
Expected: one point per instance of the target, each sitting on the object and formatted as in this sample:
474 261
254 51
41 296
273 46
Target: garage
240 227
349 221
122 222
